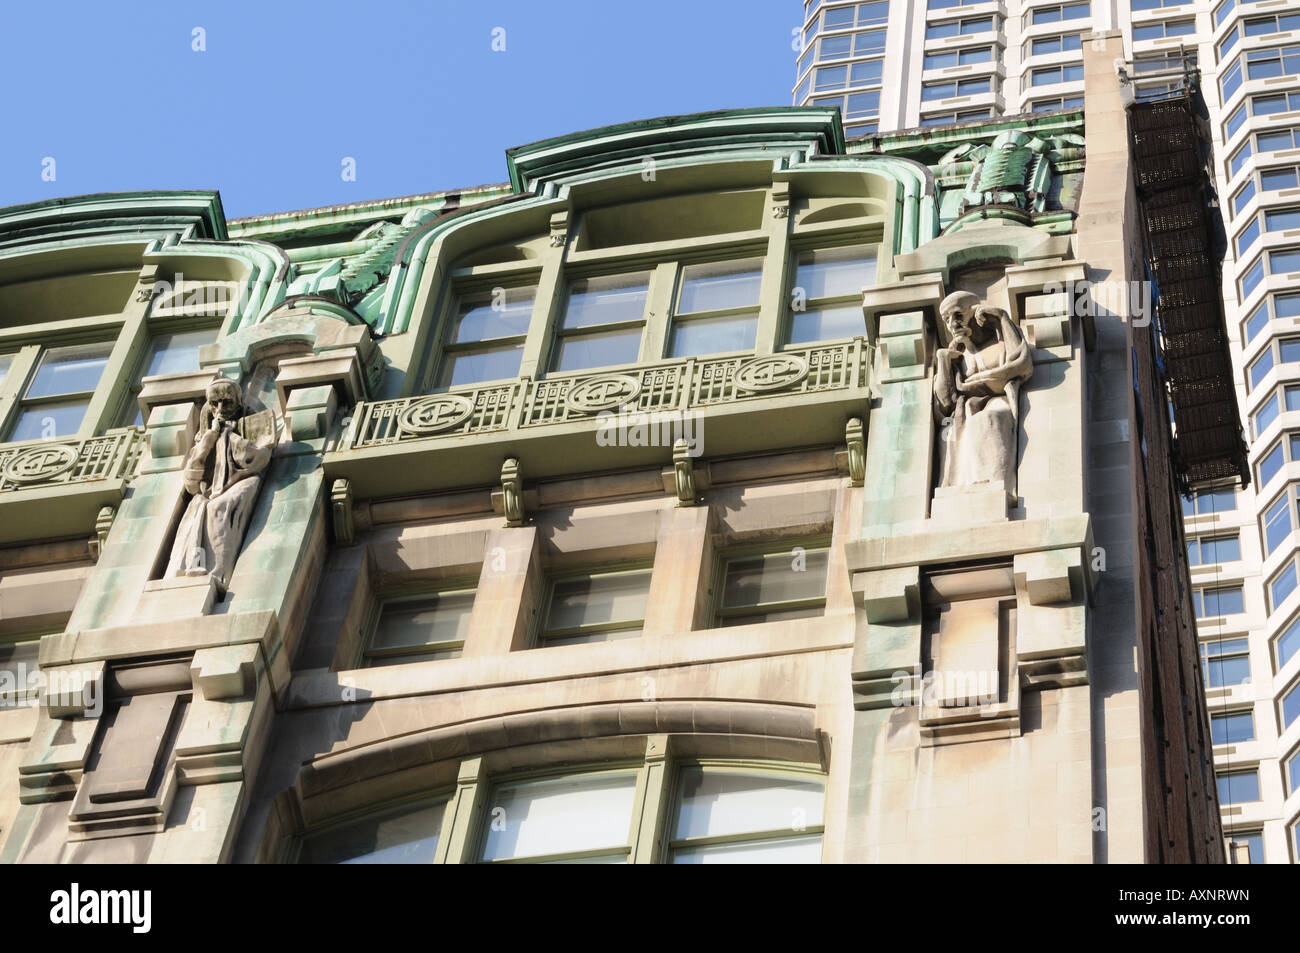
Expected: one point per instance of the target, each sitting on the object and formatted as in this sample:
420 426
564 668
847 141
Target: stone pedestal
179 597
966 505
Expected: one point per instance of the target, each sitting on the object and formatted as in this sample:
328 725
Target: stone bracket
170 430
341 512
1052 591
309 411
889 595
103 525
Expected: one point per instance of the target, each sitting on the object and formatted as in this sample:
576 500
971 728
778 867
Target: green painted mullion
123 363
773 291
659 312
546 308
15 384
654 794
461 820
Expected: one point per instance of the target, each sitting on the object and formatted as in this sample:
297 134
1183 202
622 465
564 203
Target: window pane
408 837
1270 465
69 370
1277 523
715 803
1228 671
1222 550
775 577
501 314
492 364
606 300
177 353
560 815
719 285
5 361
832 272
785 850
827 324
1239 788
1290 706
598 350
441 618
1223 601
714 335
59 419
1232 729
598 600
1288 644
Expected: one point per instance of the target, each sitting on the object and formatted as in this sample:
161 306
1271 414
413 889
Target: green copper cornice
630 144
196 214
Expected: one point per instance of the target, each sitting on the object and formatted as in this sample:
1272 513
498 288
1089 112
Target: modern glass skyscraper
899 64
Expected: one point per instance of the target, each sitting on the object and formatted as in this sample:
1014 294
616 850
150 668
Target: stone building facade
707 493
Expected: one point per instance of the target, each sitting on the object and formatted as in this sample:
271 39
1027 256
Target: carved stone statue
223 472
977 380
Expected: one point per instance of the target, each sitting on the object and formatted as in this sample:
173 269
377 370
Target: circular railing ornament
436 413
605 392
771 373
40 463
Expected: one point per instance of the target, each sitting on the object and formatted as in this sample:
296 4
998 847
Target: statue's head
224 398
959 312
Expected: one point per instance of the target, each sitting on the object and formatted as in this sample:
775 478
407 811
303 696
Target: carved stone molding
774 372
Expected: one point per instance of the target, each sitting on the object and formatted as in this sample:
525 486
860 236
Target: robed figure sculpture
977 380
223 473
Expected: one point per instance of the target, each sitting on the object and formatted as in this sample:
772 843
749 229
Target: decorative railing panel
54 462
680 385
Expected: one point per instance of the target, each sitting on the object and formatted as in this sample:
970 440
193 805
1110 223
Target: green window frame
46 385
703 301
823 285
622 321
694 835
729 606
564 592
623 785
434 604
515 303
169 350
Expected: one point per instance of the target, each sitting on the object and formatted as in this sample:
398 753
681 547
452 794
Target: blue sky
116 95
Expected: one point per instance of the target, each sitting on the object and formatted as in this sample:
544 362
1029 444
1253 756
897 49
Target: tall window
1232 728
486 340
773 586
1279 521
1217 601
595 607
730 816
602 323
172 353
585 818
422 627
1290 706
1225 662
717 308
1210 501
407 835
1055 14
1239 787
826 302
55 401
1288 643
1213 549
